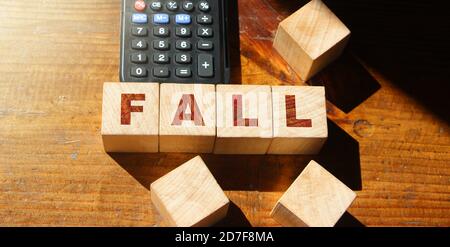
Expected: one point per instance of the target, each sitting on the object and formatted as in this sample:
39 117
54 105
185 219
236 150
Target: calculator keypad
173 40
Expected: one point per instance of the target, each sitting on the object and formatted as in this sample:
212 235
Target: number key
161 45
160 58
183 58
138 71
139 31
183 32
161 31
139 44
183 45
138 57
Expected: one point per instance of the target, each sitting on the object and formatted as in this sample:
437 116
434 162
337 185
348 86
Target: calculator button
156 5
183 72
172 5
205 65
139 31
139 44
161 58
204 19
205 32
183 45
183 32
183 19
203 6
183 58
188 6
138 58
161 44
139 18
161 18
161 31
138 71
161 72
205 45
139 5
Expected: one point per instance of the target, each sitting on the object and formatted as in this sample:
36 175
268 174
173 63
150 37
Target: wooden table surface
387 142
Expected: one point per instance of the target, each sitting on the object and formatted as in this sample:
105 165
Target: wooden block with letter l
189 196
315 199
130 117
187 118
299 120
244 119
311 38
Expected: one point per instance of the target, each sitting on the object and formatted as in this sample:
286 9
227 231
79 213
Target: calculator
175 41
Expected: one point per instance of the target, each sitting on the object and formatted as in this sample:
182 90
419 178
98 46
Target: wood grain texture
316 199
311 38
299 120
189 196
188 118
55 56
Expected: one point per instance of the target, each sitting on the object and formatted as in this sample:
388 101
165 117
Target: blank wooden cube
189 196
316 199
244 119
299 120
311 38
130 117
187 118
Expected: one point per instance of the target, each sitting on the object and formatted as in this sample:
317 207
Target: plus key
205 65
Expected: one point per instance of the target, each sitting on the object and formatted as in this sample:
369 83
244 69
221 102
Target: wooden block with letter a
189 196
130 117
187 118
316 198
244 119
299 120
311 38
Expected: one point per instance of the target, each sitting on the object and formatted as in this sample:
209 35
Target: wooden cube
311 38
187 118
316 199
130 117
244 119
189 196
299 120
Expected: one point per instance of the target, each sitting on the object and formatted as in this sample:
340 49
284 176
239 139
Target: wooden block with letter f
299 120
189 196
130 117
244 119
187 118
315 198
311 38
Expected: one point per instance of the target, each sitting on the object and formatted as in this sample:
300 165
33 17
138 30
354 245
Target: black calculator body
178 41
